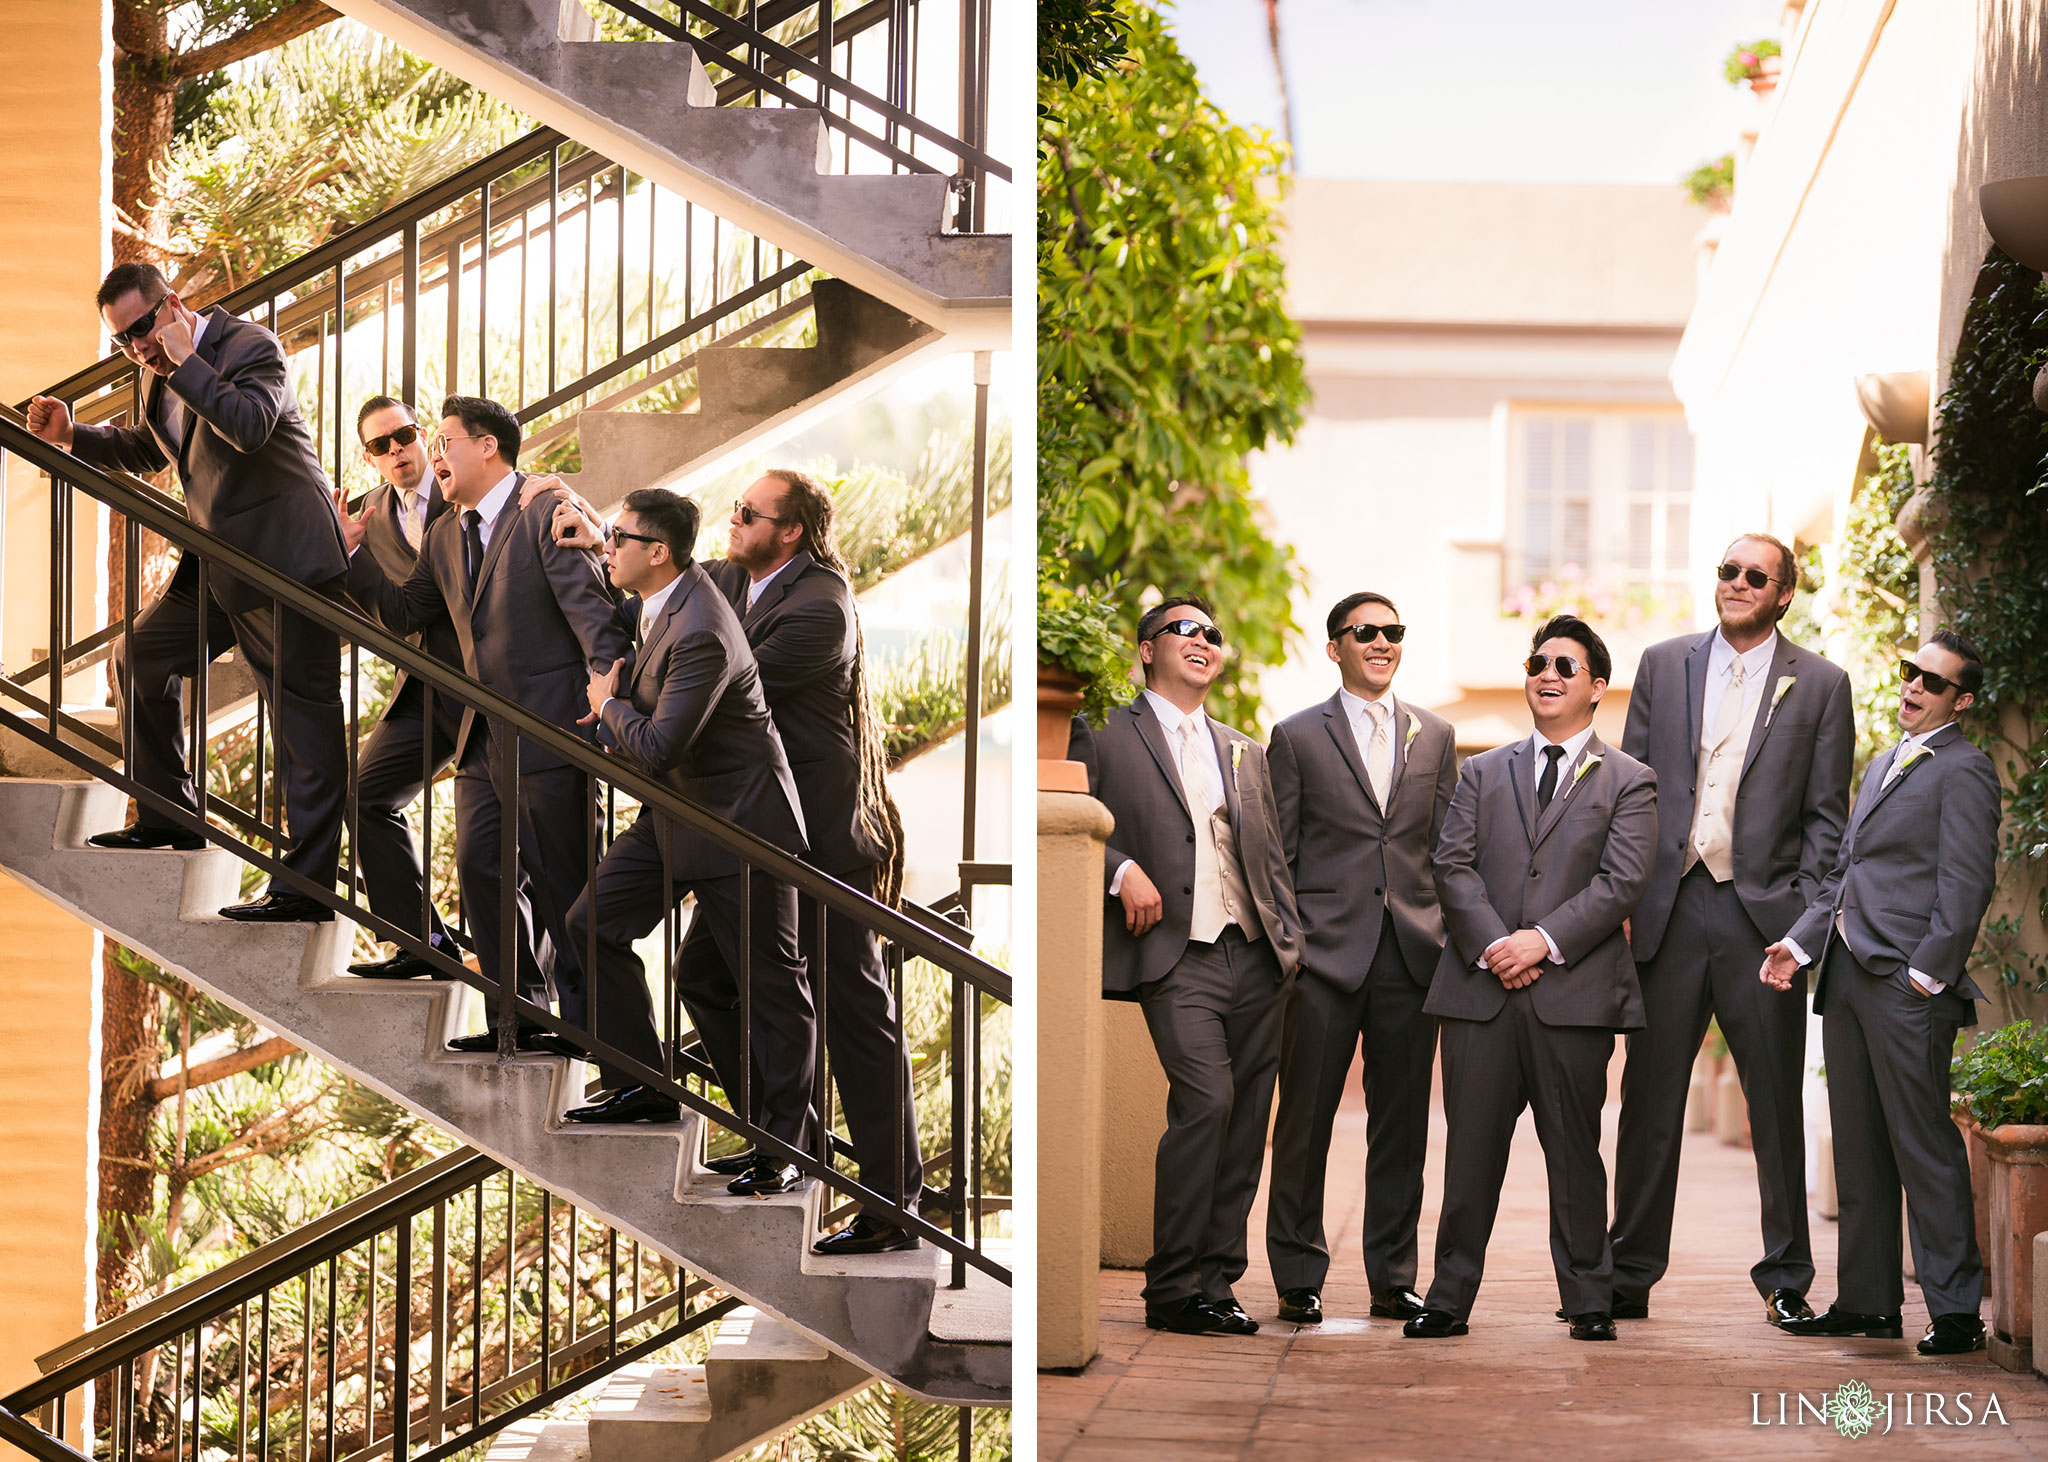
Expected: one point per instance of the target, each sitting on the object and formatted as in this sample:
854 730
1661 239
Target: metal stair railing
413 1322
970 978
800 53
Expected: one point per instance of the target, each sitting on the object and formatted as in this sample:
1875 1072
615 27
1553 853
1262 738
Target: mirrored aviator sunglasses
1567 667
405 436
1187 629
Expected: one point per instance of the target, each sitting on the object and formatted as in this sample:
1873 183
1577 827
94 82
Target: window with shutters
1600 498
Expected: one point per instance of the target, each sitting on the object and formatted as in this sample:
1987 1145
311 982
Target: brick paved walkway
1677 1385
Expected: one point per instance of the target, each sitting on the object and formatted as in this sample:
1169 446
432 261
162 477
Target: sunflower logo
1852 1409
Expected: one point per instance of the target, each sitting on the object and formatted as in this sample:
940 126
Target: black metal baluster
507 973
340 377
744 1107
554 255
242 1380
437 1325
821 1091
330 1358
409 347
619 347
401 1345
483 293
263 1386
547 1293
355 821
427 738
199 692
958 1057
370 1350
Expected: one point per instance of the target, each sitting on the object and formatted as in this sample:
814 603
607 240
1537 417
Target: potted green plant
2002 1079
1084 664
1756 63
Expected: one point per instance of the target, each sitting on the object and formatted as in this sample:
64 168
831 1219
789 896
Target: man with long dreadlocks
783 576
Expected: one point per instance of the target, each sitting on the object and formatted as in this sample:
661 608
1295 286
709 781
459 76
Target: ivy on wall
1987 528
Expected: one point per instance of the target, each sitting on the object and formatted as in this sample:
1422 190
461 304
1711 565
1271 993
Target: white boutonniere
1236 756
1785 683
1914 755
1414 726
1592 760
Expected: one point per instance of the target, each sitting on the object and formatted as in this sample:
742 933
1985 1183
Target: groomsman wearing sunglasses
217 402
1362 782
1199 926
1751 738
1544 852
395 764
1891 929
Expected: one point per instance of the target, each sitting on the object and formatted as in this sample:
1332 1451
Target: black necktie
1546 785
472 545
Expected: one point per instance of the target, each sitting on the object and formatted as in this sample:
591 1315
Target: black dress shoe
534 1040
1234 1321
1839 1322
764 1179
137 835
628 1104
1396 1304
1433 1325
280 908
1301 1306
1786 1304
1593 1325
1191 1316
732 1164
404 965
866 1235
1956 1334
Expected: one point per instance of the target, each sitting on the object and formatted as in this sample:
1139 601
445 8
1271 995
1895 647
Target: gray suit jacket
1353 862
1916 869
247 463
1793 797
1578 870
803 635
690 711
385 539
543 617
1132 771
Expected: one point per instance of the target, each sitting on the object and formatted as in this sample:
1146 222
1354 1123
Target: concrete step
391 1035
651 106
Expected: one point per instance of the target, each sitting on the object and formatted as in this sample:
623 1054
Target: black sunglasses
618 533
749 517
1567 667
1755 578
1936 684
405 436
1365 634
1187 629
140 326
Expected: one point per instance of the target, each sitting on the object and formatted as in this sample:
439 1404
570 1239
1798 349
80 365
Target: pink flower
1748 59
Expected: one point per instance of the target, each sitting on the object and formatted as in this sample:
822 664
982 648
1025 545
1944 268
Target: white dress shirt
494 504
1567 765
1361 719
650 615
756 586
1170 719
1756 671
1926 982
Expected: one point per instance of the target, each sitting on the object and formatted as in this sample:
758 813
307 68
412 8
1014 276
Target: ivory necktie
1379 753
409 516
1891 773
1192 781
1730 708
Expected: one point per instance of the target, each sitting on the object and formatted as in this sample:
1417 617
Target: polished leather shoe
136 835
1786 1304
866 1235
1593 1325
764 1179
1191 1316
1301 1307
533 1040
732 1164
404 965
1956 1334
1434 1325
628 1104
1839 1322
279 908
1396 1304
1235 1320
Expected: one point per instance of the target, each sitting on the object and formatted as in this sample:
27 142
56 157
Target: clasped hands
1517 959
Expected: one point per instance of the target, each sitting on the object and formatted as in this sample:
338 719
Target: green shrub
2003 1078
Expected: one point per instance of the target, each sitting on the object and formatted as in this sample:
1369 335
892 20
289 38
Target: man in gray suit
1891 929
395 764
1199 927
1751 738
1544 853
217 401
535 619
1362 782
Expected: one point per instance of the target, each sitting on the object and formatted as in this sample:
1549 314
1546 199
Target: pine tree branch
220 1068
289 23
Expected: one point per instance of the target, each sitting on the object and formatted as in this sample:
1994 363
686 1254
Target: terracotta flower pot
1059 700
2018 1161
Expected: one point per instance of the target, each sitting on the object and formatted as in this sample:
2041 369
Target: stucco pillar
1134 1094
1073 829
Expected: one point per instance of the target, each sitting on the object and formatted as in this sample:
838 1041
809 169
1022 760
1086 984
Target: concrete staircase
759 1380
888 1313
749 395
650 105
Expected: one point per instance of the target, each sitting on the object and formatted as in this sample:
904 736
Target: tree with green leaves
1165 351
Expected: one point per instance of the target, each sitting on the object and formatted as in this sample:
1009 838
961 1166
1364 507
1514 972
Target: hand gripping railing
413 1322
971 978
